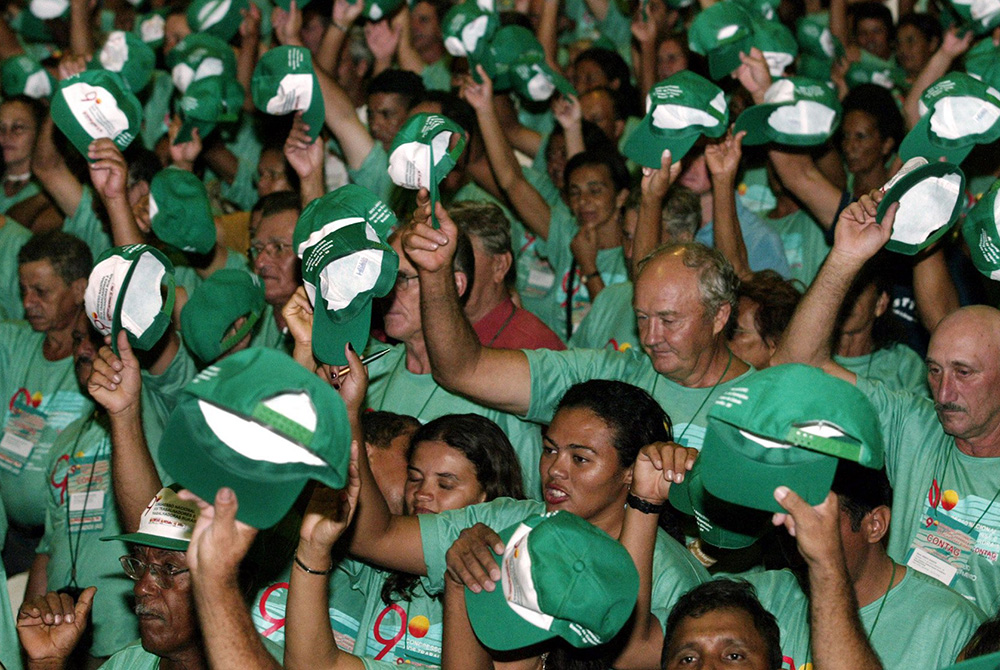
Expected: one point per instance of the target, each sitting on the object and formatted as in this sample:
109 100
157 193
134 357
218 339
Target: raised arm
330 49
116 384
305 155
933 288
109 174
723 160
49 166
342 119
530 206
803 179
952 46
654 185
858 237
246 57
645 31
495 378
838 640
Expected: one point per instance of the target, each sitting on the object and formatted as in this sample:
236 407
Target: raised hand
382 40
219 542
428 249
659 465
754 74
108 169
723 158
816 529
116 381
567 111
656 182
183 154
330 513
304 154
50 626
345 13
859 234
479 95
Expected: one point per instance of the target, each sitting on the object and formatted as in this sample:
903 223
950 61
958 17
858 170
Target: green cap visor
213 308
720 523
796 111
982 235
284 82
930 197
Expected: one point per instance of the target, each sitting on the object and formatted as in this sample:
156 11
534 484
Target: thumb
666 160
790 501
84 603
125 352
225 507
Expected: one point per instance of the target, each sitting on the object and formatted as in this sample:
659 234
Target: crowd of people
541 334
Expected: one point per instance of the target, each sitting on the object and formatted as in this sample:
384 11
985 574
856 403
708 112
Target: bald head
963 371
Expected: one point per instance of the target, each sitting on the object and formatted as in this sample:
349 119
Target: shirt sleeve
373 173
553 372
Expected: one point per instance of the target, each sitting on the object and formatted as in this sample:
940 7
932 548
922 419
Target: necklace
892 578
707 396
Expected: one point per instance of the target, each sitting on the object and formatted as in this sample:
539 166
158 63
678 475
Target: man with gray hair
685 304
498 322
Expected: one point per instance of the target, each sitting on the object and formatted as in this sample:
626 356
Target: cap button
579 566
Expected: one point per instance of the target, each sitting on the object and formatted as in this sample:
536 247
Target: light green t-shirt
85 224
394 388
160 392
10 649
29 191
675 570
437 75
246 146
346 605
610 324
133 657
923 625
549 303
805 246
939 494
12 237
156 111
553 372
81 509
266 333
45 398
897 366
373 173
754 192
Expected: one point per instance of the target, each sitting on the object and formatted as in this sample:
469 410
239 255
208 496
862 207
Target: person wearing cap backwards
40 394
51 625
941 453
904 636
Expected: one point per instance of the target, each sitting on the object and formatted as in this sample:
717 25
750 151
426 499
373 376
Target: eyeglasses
403 281
163 575
273 249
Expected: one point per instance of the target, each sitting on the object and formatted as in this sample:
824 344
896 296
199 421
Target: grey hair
681 213
486 222
717 280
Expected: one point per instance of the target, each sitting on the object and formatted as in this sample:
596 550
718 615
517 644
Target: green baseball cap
818 48
23 75
214 307
376 10
151 28
763 9
30 28
200 55
776 43
796 111
95 104
207 102
468 30
987 662
561 577
871 69
180 212
930 197
346 262
129 56
49 9
721 32
679 110
510 45
261 424
284 82
422 153
221 18
957 112
786 426
124 292
983 62
720 523
535 80
982 15
982 235
166 523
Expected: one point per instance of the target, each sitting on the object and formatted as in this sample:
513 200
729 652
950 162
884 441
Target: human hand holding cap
430 249
115 382
816 529
859 235
471 559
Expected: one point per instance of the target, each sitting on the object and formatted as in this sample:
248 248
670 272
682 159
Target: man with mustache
39 395
51 625
941 453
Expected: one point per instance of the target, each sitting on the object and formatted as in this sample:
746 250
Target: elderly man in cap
941 453
51 625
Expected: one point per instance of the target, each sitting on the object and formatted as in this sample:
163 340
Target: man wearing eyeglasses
50 626
275 262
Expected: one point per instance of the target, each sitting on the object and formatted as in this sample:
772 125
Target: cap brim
918 143
908 181
189 462
720 523
645 148
329 336
753 120
732 475
724 59
145 539
188 125
496 625
315 116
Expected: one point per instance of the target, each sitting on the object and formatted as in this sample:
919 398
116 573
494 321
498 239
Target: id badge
86 485
20 435
942 548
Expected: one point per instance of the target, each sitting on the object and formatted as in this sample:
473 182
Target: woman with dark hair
453 461
22 197
870 135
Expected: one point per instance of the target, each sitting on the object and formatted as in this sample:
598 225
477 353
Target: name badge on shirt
942 548
20 435
87 482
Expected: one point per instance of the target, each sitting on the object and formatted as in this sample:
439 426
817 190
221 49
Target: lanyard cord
947 462
513 310
569 298
74 552
707 395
